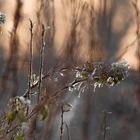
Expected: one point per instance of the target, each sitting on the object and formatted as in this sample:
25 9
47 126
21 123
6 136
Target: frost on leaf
67 107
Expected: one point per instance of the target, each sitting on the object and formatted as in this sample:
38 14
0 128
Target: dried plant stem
62 123
41 60
30 59
104 125
68 132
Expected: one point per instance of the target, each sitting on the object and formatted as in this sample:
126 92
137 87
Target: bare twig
104 125
59 92
41 60
43 78
35 85
62 123
68 132
30 59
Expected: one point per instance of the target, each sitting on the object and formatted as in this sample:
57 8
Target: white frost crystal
25 127
24 101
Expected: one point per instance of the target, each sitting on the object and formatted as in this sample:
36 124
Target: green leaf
35 77
10 116
67 107
103 78
20 116
84 74
18 137
44 113
89 66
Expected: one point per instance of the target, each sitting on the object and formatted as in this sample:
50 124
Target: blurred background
77 31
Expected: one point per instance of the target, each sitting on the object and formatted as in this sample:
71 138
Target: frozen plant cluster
19 103
98 74
16 122
16 118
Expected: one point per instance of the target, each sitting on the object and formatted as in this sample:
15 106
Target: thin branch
104 125
62 122
43 78
59 92
35 85
30 59
41 60
68 132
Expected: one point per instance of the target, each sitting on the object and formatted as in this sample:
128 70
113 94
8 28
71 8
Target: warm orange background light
63 24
